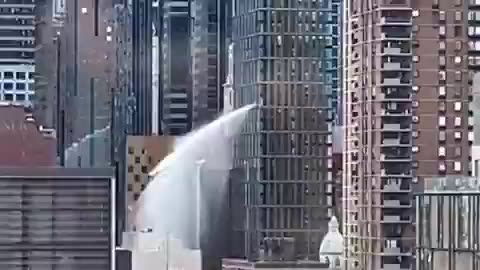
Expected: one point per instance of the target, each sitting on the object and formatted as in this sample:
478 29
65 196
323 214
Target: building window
20 86
442 15
442 91
442 136
441 166
20 75
441 151
457 106
458 45
458 121
442 106
8 75
442 60
458 60
8 86
457 166
442 31
457 31
458 16
442 45
442 75
458 75
442 121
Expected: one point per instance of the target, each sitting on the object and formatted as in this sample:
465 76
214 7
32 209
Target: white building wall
155 84
17 82
228 92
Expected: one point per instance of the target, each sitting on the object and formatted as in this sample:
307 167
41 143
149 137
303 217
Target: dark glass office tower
177 95
142 66
282 55
134 22
208 39
131 86
335 64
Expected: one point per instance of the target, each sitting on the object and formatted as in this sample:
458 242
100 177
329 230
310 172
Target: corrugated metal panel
55 222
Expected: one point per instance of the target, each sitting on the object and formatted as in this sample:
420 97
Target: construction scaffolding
448 224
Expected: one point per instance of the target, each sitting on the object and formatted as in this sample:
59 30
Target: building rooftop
241 264
22 142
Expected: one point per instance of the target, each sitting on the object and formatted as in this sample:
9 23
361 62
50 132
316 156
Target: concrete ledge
55 172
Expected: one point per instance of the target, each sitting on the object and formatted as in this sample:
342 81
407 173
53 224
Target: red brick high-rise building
22 142
407 91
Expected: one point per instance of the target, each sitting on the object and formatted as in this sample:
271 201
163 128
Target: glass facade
17 47
285 60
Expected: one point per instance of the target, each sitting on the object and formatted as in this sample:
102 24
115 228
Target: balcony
396 142
393 66
396 21
396 51
394 96
395 251
402 156
395 158
396 126
391 202
393 218
399 187
391 142
396 113
396 172
395 4
395 82
396 34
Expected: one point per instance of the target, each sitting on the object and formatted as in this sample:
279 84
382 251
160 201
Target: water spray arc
186 190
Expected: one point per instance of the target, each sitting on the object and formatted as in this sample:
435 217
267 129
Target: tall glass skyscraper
176 94
208 43
285 60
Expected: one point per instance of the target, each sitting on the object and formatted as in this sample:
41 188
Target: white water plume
189 185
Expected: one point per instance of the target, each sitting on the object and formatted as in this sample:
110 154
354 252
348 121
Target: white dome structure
331 248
